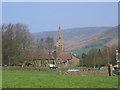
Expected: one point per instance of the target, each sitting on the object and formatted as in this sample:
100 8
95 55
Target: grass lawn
30 79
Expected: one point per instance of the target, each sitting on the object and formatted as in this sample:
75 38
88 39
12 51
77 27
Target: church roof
65 56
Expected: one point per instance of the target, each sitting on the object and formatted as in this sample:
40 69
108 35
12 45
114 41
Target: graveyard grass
31 79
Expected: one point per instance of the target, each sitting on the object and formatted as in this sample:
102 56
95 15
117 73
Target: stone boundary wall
18 68
85 73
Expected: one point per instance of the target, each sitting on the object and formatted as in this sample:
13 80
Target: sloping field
31 79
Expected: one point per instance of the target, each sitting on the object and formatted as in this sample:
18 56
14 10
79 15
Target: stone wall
85 73
74 62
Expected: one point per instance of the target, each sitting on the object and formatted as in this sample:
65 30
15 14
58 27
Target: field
32 79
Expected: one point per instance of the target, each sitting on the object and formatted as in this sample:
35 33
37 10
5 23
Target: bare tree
16 39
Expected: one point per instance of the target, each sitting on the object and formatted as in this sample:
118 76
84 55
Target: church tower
59 41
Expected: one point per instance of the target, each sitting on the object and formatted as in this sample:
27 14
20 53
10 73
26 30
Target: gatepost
110 69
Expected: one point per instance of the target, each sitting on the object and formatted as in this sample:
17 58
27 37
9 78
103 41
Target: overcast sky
42 16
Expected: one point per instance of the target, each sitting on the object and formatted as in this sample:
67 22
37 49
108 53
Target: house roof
66 56
34 54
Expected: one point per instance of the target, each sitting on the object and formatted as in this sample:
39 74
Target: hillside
99 40
106 38
73 37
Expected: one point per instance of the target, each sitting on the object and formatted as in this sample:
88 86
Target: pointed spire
59 33
59 41
59 27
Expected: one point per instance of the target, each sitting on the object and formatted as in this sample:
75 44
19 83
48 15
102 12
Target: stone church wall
74 62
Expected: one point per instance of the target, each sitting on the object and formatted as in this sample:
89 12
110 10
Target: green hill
106 38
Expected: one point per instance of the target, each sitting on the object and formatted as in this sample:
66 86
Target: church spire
59 36
59 41
59 28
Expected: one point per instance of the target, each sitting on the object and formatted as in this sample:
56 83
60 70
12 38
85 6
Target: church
58 56
64 58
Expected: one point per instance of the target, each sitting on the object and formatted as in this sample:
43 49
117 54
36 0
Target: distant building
64 58
58 56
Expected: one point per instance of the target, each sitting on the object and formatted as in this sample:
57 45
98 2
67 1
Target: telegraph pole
109 65
94 60
117 60
108 56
